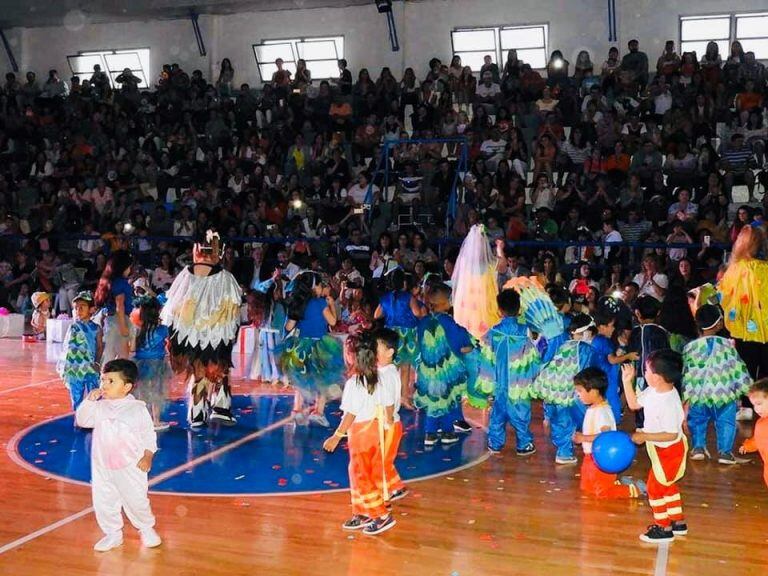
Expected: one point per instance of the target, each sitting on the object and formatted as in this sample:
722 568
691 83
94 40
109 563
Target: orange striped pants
366 469
394 436
601 484
667 467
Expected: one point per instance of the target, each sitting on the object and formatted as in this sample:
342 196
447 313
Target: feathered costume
714 378
516 362
78 366
538 312
714 374
442 375
475 284
312 358
271 326
203 317
554 385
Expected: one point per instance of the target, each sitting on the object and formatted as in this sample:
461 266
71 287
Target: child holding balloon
664 440
591 387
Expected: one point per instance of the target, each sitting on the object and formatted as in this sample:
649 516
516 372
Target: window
473 44
320 54
530 43
697 31
113 62
752 32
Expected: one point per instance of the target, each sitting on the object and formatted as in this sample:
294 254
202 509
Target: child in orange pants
367 420
664 440
758 395
591 385
389 380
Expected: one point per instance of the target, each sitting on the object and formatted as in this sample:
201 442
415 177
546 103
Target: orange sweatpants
601 484
667 468
394 436
366 469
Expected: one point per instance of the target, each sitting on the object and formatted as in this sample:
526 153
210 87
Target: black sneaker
430 439
357 522
528 450
379 525
462 427
448 438
679 528
656 535
223 416
398 495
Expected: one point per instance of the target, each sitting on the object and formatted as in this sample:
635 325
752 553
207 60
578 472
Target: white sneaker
744 414
150 538
108 542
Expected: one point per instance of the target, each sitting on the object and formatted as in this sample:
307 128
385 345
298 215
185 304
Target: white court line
9 390
662 556
45 530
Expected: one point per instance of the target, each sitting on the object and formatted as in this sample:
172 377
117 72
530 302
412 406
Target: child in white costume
124 443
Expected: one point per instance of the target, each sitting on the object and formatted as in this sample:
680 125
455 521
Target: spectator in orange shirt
758 395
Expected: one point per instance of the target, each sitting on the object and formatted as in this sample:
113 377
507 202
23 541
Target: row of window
471 44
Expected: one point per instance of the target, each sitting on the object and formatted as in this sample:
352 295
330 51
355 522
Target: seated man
737 162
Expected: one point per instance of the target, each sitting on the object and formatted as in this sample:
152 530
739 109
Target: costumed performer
202 313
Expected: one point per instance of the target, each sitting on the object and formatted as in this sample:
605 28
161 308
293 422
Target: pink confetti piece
282 482
309 471
38 461
43 453
276 467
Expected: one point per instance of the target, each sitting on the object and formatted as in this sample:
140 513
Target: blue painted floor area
288 459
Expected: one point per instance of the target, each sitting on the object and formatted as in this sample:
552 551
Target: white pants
124 489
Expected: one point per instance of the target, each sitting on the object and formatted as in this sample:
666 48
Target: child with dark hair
758 395
83 345
607 357
554 385
368 412
401 311
442 373
310 357
150 354
516 363
591 386
271 318
123 446
714 378
663 436
647 337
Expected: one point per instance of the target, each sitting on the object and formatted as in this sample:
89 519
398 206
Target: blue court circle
265 454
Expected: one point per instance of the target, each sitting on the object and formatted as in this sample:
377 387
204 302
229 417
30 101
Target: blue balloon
613 451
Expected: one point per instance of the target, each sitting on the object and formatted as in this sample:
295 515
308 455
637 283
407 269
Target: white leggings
116 490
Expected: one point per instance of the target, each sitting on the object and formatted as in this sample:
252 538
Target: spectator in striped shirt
737 162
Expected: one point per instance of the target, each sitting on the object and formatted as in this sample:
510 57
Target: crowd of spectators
291 172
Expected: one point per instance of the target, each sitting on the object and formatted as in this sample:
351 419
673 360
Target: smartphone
358 211
707 240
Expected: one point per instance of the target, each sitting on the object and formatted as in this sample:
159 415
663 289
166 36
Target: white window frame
296 45
733 36
499 50
143 73
702 18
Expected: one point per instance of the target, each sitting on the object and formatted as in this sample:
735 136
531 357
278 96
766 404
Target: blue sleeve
263 287
458 337
601 348
587 356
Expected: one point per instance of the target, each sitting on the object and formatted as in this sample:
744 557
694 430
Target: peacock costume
516 362
398 316
554 385
78 367
441 374
714 378
264 361
203 317
155 373
312 358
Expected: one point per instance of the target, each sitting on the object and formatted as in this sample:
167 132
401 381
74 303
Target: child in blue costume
264 363
401 311
83 347
150 355
309 356
516 363
554 385
442 374
605 351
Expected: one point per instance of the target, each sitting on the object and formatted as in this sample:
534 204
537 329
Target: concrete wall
423 26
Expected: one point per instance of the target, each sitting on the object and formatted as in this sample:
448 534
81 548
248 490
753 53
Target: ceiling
75 13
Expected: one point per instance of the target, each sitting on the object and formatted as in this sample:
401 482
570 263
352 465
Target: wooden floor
505 516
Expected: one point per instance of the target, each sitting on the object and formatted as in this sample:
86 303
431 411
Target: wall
423 28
